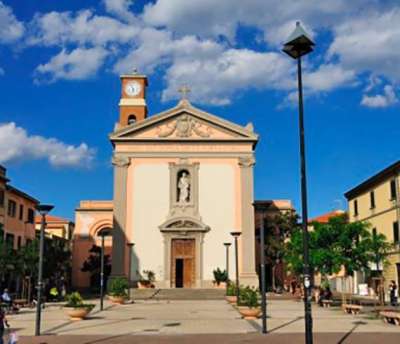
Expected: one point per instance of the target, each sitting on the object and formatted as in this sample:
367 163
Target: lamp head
44 209
299 43
227 244
130 244
236 234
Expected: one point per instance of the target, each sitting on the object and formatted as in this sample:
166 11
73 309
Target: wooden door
183 250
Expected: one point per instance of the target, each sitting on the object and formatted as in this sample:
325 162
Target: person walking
393 293
3 321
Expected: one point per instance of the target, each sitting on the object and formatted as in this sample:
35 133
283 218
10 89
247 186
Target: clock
132 88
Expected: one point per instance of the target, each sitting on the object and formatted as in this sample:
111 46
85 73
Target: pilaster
248 274
119 215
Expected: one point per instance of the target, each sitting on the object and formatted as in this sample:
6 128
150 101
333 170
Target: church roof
236 132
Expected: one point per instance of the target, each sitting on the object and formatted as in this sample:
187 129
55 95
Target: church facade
183 181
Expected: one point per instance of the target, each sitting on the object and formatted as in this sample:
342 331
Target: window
393 191
10 239
373 232
355 208
131 119
396 234
21 212
19 241
31 216
1 198
12 206
372 199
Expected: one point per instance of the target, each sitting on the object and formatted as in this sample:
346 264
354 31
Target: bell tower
132 105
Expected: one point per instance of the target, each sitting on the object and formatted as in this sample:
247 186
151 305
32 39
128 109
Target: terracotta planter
249 313
117 299
145 285
230 299
77 313
221 285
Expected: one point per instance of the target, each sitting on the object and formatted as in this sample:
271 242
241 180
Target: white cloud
386 99
328 77
83 27
120 8
10 28
370 42
75 65
17 145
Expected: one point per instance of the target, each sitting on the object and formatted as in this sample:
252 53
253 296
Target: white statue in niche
184 188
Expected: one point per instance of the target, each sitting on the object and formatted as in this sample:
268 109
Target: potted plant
148 280
248 303
231 293
117 290
76 308
220 278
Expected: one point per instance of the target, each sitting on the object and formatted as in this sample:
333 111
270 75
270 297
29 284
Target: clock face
132 88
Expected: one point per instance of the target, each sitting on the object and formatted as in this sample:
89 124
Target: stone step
177 294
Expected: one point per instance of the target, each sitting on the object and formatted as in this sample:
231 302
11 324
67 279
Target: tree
337 244
93 265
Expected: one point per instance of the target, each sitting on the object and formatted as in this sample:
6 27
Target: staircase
177 294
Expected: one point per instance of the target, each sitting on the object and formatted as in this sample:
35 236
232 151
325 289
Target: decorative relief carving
185 126
183 224
121 161
247 161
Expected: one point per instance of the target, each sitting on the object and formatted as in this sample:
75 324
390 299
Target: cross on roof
184 91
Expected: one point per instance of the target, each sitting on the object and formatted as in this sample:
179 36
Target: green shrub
75 300
220 275
231 289
118 286
248 297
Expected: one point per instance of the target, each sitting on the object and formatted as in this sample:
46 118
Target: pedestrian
7 298
393 293
3 321
13 338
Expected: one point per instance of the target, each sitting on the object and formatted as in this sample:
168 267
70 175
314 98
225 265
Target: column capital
247 161
120 161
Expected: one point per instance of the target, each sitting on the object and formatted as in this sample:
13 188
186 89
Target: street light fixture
236 236
43 210
298 45
102 233
227 245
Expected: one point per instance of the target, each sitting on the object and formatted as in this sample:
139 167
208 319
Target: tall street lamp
262 272
43 210
102 233
236 236
300 44
227 245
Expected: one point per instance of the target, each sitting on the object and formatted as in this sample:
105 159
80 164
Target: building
183 181
268 210
17 213
56 227
377 201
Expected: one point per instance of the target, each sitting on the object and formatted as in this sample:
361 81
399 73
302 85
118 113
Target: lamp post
236 236
43 210
227 244
262 274
130 247
300 44
102 233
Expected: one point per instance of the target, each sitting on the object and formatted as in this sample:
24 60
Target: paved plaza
198 322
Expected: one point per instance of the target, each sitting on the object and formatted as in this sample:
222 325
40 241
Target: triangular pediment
184 122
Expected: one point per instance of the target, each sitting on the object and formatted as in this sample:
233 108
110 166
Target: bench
351 309
390 317
326 303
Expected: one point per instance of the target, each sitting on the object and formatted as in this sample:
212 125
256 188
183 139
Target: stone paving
194 319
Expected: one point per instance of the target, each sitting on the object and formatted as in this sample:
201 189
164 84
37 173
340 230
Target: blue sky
59 87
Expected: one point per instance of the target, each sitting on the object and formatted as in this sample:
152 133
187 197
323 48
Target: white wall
150 208
217 209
